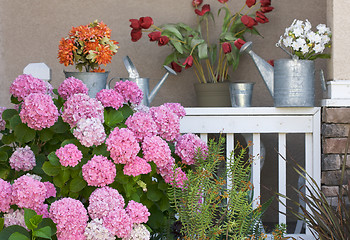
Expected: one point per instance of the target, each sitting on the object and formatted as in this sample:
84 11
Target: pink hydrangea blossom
26 84
15 218
2 121
118 223
90 132
188 146
81 106
137 212
130 91
104 200
70 217
50 189
43 210
5 195
22 159
99 171
177 108
168 123
142 125
69 155
110 98
39 111
28 192
157 150
122 145
136 167
71 86
139 232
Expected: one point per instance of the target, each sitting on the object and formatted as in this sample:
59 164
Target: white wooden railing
255 121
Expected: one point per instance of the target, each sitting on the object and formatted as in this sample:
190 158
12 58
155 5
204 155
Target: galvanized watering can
290 81
143 83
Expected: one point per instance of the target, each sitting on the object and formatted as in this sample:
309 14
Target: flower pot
241 94
95 81
213 94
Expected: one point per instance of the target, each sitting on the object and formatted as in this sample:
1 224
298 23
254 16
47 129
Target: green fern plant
208 207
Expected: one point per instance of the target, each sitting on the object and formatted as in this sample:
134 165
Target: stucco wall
30 31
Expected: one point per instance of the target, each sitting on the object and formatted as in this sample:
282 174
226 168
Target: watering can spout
160 83
265 69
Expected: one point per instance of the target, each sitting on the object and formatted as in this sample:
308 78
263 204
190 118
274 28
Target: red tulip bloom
205 8
136 34
163 40
239 43
265 3
154 36
250 3
146 22
135 24
188 62
226 47
261 18
248 21
223 1
196 3
266 9
176 67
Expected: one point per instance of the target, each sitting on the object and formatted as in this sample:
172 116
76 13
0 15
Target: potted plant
88 47
192 46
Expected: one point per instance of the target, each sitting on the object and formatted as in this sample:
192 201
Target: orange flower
65 52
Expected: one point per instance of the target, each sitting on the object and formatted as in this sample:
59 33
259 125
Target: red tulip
154 36
265 3
261 18
226 47
196 3
163 40
136 34
176 67
250 3
239 43
248 21
146 22
205 8
188 62
266 9
135 24
223 1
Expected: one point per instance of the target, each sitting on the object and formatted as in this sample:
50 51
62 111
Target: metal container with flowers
76 167
192 46
88 47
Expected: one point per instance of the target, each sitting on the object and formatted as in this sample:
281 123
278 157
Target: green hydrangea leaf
23 133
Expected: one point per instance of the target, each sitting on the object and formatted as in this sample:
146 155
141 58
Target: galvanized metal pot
294 84
95 81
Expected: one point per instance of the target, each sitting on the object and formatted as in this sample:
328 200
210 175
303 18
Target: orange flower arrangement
88 46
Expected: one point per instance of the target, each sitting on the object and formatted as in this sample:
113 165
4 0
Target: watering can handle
323 80
109 82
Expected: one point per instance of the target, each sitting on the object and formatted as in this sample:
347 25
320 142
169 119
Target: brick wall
335 130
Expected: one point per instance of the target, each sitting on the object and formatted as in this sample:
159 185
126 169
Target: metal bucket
95 81
294 83
143 84
241 94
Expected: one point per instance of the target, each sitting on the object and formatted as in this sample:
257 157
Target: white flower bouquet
305 43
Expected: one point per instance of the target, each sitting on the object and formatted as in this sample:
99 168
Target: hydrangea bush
75 167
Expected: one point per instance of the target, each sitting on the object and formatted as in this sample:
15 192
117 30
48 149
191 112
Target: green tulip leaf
23 133
50 169
77 184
